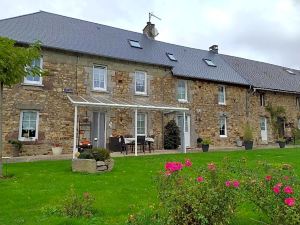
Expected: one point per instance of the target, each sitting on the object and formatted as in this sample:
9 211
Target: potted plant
199 141
17 146
205 144
248 137
281 141
56 149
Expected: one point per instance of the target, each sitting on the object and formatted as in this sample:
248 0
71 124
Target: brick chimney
214 49
150 31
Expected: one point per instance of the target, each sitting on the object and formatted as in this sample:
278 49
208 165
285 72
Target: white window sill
32 84
223 136
27 139
141 94
101 91
182 100
222 103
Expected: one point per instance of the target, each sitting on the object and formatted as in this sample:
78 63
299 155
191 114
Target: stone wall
66 70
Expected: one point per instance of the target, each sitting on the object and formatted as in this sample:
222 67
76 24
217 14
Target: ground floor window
142 124
28 125
223 126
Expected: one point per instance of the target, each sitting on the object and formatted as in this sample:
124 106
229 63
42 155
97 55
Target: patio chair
142 142
123 145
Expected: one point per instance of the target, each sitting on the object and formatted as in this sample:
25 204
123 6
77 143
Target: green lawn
128 188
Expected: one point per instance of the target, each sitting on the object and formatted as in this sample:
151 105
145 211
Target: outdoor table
130 141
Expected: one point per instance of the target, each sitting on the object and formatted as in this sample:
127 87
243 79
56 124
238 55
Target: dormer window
171 57
135 44
209 62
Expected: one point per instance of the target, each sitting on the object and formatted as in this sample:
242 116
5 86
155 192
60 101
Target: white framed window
142 124
182 90
298 103
221 95
140 82
223 126
99 78
34 80
262 99
29 121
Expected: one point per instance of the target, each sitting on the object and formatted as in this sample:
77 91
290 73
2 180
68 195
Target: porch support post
75 133
184 145
135 132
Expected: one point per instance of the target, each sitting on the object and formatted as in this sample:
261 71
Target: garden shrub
203 196
171 135
86 154
276 194
75 205
100 154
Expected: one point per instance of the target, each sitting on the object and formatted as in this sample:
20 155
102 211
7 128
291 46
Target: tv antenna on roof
151 14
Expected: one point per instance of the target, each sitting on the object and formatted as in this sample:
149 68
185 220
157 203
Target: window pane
181 90
222 126
99 77
221 94
140 82
29 120
141 124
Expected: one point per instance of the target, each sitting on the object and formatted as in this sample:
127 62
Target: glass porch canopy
97 101
121 103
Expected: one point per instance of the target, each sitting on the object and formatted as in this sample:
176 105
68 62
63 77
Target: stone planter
92 166
56 150
205 148
281 144
248 145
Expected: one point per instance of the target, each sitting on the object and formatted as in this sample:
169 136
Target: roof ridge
256 61
14 17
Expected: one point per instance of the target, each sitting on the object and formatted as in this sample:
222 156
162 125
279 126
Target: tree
14 65
171 135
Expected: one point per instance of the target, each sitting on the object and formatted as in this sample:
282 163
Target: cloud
262 30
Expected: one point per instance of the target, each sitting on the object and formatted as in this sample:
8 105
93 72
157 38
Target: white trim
105 78
75 134
262 99
20 138
145 85
35 83
225 128
182 100
224 92
135 132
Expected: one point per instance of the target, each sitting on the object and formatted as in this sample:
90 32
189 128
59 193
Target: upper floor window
223 126
140 82
182 90
34 80
221 95
298 103
142 124
28 130
99 78
262 99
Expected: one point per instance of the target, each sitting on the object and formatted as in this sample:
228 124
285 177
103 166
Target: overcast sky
264 30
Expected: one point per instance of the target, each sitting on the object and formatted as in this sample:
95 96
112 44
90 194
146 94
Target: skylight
171 57
209 62
135 44
289 71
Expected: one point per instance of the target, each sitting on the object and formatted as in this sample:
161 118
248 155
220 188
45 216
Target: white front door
264 129
187 129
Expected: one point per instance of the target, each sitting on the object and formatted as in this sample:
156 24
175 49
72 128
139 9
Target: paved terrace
118 154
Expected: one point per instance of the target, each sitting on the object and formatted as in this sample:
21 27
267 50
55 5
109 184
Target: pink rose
236 184
276 189
200 179
188 163
288 190
279 185
268 178
173 166
228 183
289 201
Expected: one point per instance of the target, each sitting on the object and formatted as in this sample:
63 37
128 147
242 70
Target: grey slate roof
75 35
265 75
65 33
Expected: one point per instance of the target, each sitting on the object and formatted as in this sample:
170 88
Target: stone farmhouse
103 82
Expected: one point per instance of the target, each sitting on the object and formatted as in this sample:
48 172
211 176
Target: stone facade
74 72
